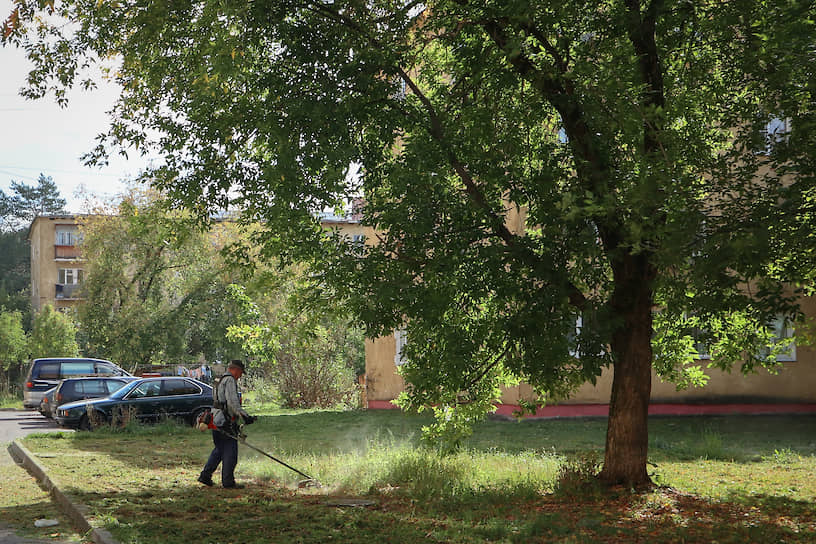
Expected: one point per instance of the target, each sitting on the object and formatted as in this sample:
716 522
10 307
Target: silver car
48 372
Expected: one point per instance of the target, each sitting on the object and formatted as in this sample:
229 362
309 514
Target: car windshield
125 390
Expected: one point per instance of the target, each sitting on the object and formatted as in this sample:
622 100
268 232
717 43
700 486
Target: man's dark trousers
226 453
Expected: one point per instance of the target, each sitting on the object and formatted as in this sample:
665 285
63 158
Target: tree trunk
627 434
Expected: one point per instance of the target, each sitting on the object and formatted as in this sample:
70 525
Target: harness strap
217 402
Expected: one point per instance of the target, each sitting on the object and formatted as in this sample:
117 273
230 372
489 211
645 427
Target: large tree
18 209
627 134
154 286
25 202
53 334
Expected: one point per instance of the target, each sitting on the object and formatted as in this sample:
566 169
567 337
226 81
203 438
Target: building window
700 337
783 334
776 131
400 339
572 338
70 276
66 236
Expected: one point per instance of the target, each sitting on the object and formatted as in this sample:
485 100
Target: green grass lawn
724 479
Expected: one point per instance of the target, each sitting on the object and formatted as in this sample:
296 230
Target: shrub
577 477
312 383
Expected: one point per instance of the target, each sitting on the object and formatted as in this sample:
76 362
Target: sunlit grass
9 401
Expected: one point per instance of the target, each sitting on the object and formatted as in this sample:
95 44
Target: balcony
67 291
66 252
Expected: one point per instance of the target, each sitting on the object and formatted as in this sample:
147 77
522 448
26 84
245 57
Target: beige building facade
57 267
795 383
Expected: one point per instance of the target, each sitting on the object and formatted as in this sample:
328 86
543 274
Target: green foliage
53 334
13 355
577 478
307 347
155 286
15 273
662 192
18 209
13 341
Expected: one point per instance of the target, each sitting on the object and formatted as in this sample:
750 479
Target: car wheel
85 423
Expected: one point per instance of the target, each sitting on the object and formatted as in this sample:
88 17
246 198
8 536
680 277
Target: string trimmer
308 482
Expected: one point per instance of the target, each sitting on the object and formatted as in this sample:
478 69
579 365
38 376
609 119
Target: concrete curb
76 512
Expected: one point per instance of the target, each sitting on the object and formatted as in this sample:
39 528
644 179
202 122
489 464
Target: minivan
48 372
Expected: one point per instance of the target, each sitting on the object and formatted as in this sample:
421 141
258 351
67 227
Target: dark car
48 403
48 372
89 388
146 399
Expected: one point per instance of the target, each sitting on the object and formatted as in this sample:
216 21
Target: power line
17 175
44 170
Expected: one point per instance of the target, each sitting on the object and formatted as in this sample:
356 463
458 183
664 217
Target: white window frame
65 236
400 339
579 322
75 275
782 331
775 131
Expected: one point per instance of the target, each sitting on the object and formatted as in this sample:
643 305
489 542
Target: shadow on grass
21 519
263 513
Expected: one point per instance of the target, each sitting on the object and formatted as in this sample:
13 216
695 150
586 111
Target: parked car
48 403
146 399
95 387
48 372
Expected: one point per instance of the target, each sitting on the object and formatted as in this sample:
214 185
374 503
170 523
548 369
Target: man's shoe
234 486
206 481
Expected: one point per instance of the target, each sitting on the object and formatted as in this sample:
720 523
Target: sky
40 137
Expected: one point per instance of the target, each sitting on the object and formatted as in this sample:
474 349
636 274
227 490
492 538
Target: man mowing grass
226 411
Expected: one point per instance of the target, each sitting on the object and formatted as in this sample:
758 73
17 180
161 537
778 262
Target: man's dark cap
238 363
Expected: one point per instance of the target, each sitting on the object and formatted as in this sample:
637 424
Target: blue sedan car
146 399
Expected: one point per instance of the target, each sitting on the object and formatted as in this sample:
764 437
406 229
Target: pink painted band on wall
602 410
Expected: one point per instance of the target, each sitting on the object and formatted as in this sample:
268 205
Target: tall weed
577 478
388 466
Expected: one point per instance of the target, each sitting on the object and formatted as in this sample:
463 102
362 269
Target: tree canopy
154 287
556 187
25 202
53 334
18 209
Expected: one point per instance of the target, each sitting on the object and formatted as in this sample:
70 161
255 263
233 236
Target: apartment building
56 262
57 266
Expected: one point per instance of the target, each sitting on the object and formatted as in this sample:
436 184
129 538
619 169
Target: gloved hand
249 420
